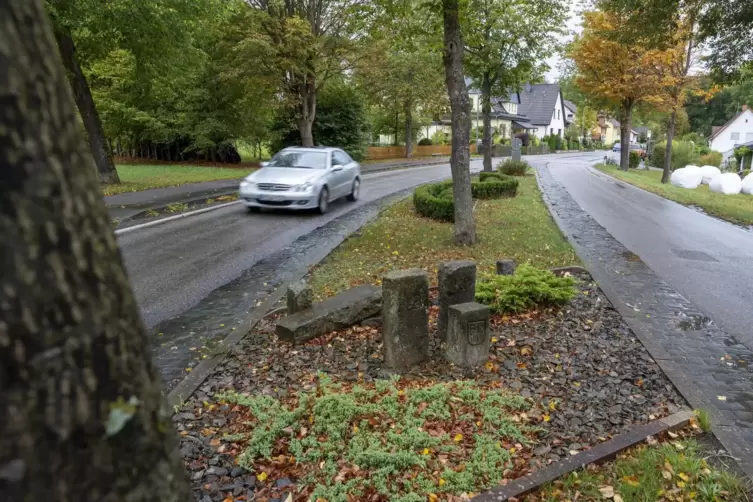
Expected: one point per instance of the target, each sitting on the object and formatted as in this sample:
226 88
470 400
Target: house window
551 131
558 114
559 132
748 137
735 136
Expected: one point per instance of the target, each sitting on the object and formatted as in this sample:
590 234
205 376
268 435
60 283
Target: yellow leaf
355 429
458 438
547 418
433 497
681 484
631 480
494 339
441 482
683 476
525 351
188 370
512 450
426 451
552 405
261 476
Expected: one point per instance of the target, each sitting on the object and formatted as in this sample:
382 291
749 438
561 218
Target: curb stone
690 359
602 452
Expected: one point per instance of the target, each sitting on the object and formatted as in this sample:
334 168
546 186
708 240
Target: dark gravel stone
217 471
283 483
237 471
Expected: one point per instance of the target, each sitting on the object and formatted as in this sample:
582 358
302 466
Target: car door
341 173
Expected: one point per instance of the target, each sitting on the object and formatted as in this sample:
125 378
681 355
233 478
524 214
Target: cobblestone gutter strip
600 453
287 265
710 368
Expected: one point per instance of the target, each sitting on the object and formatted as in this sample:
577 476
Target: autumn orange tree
620 74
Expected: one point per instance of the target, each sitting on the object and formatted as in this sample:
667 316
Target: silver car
302 178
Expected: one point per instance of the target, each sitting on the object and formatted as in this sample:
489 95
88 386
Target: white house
543 106
570 111
736 132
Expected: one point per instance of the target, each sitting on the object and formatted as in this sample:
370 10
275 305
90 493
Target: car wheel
323 201
355 192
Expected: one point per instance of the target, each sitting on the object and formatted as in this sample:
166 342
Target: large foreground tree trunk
408 129
306 111
667 167
82 417
486 110
100 148
625 125
460 162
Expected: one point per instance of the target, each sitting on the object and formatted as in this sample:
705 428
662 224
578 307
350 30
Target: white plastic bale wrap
747 185
709 173
687 177
726 183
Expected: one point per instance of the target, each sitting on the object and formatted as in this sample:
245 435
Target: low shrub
514 167
711 159
527 289
435 201
744 173
634 160
425 142
683 153
494 186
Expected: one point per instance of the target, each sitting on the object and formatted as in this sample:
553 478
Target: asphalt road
705 259
175 265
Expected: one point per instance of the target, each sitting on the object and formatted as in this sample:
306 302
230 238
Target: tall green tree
154 32
82 416
505 43
298 46
402 70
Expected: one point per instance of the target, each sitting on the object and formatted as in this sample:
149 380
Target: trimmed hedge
435 199
514 167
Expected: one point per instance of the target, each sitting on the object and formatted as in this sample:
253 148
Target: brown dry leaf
617 497
606 491
215 442
672 435
666 475
526 351
668 467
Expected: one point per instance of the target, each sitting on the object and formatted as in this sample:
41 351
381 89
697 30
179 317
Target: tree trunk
625 125
486 110
85 103
307 111
667 167
73 351
465 228
408 130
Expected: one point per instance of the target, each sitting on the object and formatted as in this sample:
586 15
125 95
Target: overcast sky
572 25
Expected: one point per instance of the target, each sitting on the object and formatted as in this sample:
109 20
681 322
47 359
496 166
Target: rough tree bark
73 351
306 111
625 125
486 111
100 149
666 168
408 129
460 161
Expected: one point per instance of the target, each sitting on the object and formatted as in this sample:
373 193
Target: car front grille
273 187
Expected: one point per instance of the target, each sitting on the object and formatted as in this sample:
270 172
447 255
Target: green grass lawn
735 208
520 228
135 177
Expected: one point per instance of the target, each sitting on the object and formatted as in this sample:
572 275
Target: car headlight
247 184
306 188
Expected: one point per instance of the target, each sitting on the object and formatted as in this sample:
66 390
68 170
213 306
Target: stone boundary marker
457 284
405 318
602 452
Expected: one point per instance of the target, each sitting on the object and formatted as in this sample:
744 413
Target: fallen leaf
458 438
525 351
261 476
631 480
617 497
683 476
666 475
606 491
547 418
721 398
672 434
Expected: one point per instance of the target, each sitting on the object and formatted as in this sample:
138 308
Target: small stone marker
505 267
468 334
300 297
517 144
405 318
457 284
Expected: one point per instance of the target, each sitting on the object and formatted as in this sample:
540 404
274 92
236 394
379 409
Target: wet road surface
705 259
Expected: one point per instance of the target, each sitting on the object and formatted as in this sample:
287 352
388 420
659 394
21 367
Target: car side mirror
336 168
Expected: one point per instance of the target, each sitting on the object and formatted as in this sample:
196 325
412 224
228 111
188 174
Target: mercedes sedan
302 178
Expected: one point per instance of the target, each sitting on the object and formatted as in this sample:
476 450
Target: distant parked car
617 147
303 178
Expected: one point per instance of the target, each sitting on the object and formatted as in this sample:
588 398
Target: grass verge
735 208
387 440
136 177
518 228
675 470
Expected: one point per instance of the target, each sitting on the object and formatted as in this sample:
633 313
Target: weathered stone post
457 284
405 318
468 334
505 267
300 296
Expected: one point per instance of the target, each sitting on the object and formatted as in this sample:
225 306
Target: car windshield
299 158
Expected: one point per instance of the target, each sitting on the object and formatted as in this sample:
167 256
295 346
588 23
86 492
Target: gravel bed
586 373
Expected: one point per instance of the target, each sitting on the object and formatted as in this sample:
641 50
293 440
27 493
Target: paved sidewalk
711 369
